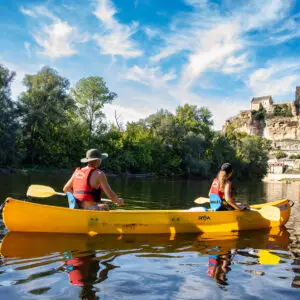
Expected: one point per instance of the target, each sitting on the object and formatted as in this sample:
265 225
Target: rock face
284 132
279 128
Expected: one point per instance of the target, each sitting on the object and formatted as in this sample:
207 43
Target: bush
282 110
280 154
295 156
259 114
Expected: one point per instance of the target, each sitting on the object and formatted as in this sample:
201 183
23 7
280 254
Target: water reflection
83 271
62 266
86 262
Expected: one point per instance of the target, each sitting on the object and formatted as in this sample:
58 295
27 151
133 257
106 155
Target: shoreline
285 178
67 171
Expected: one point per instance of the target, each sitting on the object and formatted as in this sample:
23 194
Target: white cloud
115 38
235 64
217 45
55 40
27 49
279 78
27 12
258 15
151 32
56 37
213 40
149 76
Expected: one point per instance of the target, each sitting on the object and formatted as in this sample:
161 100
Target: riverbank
66 171
288 178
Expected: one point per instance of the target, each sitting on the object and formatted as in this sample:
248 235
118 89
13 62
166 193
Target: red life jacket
215 189
81 186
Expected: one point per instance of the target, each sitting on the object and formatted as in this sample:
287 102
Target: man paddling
87 183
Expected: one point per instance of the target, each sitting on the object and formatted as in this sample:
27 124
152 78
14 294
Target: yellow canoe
31 217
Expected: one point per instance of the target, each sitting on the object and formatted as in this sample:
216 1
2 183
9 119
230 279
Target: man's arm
102 180
69 186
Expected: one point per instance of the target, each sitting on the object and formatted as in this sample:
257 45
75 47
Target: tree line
52 124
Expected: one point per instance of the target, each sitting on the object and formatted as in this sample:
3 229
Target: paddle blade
201 200
40 191
271 213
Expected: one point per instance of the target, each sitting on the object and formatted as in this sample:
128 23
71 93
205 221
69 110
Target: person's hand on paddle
120 202
243 207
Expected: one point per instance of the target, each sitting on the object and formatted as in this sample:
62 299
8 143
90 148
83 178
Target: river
251 265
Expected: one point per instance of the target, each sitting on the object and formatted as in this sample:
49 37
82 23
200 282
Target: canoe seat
215 202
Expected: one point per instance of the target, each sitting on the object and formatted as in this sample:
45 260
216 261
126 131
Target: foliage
253 154
294 156
90 95
56 126
46 117
259 114
282 110
280 154
9 126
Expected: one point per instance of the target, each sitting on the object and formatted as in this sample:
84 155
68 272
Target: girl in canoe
87 184
223 188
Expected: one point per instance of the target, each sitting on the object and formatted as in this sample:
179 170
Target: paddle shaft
204 200
63 194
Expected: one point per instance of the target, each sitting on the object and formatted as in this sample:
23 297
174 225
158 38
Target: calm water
249 265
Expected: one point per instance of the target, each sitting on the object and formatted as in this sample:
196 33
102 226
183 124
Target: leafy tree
90 95
46 114
9 127
194 119
253 153
221 151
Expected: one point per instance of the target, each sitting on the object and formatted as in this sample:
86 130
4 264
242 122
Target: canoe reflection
88 260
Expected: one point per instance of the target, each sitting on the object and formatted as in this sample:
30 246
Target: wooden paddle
44 191
269 212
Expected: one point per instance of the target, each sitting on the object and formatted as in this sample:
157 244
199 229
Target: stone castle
267 103
283 131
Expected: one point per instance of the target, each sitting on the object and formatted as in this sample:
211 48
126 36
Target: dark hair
227 167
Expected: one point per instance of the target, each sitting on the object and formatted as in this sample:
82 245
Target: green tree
90 95
221 151
253 152
9 127
194 119
46 117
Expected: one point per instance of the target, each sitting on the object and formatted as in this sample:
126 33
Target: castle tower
297 99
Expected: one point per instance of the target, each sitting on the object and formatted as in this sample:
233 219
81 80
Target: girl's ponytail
222 180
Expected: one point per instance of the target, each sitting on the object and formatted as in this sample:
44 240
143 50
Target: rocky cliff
283 131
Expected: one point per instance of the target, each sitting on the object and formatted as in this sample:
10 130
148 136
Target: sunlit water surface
251 265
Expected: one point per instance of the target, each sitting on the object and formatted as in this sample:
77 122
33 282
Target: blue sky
160 53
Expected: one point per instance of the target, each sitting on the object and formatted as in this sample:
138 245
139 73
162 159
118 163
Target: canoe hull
31 217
